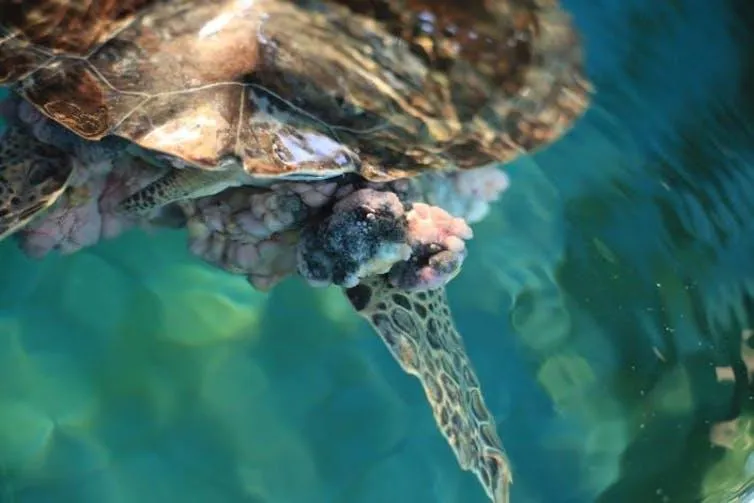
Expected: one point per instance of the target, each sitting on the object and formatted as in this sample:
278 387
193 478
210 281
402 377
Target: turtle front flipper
418 330
177 185
33 175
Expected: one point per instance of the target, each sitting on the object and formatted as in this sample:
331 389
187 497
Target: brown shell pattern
384 88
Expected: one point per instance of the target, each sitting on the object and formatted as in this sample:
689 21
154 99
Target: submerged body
235 100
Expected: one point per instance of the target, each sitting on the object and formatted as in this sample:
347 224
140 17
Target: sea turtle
235 93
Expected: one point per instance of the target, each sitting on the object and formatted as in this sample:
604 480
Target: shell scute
316 88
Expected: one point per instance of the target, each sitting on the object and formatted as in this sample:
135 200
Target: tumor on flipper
254 231
364 235
437 249
466 194
370 232
418 330
167 188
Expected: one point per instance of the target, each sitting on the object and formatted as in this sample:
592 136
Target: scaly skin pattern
33 176
418 329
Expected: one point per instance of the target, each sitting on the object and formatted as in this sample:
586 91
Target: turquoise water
598 298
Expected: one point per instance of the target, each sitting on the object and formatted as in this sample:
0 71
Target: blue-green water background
597 298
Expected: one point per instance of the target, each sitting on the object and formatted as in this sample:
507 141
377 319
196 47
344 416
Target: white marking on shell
312 147
213 26
178 132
